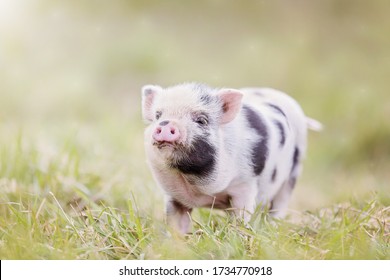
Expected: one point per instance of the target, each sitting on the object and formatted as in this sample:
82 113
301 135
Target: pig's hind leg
281 200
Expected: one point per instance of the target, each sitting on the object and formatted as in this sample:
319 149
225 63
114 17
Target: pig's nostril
166 133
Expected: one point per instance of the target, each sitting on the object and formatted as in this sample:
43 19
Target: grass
43 229
73 179
54 207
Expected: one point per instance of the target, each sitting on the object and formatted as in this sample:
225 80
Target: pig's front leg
243 200
178 215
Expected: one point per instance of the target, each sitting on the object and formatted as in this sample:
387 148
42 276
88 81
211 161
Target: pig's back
273 104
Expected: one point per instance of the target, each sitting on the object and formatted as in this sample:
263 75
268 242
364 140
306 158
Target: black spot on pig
260 149
198 159
295 160
203 92
206 99
164 123
273 176
281 131
277 109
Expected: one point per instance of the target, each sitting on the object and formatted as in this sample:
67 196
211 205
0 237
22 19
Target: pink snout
166 132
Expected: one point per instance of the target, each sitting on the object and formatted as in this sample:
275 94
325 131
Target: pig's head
184 125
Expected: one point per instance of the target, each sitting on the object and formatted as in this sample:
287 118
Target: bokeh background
71 73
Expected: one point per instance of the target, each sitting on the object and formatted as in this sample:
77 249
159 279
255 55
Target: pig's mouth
164 144
171 150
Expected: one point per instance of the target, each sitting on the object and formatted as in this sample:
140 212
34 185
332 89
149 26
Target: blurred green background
71 73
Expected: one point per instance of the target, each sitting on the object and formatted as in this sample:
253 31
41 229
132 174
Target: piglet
223 148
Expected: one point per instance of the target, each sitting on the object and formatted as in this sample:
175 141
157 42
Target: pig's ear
231 104
148 94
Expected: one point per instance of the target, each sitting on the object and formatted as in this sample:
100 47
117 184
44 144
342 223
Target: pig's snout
166 132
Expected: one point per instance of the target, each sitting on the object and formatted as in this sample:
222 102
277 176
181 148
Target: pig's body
247 152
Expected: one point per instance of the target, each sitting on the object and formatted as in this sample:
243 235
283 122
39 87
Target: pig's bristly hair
207 96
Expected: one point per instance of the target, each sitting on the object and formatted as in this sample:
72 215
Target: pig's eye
158 114
202 120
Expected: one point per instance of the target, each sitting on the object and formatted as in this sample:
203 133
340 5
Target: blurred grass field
73 179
